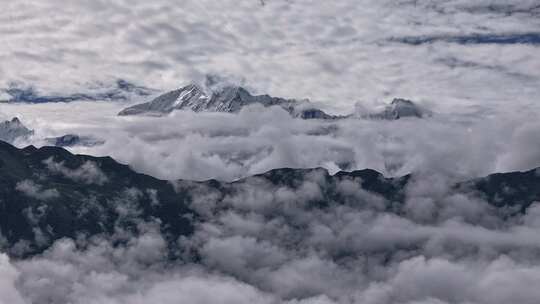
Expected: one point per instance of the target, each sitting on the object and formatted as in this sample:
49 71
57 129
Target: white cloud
286 250
484 94
443 281
229 146
267 244
33 190
9 274
332 52
88 173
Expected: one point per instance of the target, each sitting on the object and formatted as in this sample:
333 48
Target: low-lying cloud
229 146
474 64
87 173
268 243
31 189
337 53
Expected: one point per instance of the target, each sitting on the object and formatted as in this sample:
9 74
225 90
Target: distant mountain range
48 193
231 99
213 98
13 130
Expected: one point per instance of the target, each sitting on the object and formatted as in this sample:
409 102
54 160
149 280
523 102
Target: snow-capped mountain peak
190 96
229 99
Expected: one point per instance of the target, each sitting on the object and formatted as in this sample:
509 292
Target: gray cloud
331 52
88 173
263 243
336 54
271 237
268 243
229 146
34 190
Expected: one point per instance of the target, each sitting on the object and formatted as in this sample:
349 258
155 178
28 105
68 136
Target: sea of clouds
199 146
338 53
265 245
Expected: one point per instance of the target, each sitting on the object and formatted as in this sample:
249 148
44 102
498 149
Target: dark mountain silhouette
48 193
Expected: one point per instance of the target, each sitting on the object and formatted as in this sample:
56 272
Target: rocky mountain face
400 108
12 130
191 97
230 99
48 193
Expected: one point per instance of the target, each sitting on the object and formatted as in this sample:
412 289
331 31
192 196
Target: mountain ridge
231 99
84 195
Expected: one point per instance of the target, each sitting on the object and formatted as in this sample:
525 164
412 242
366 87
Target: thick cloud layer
266 243
475 64
335 52
229 146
